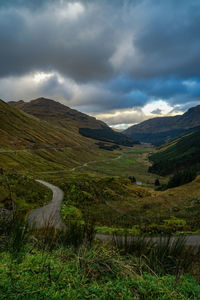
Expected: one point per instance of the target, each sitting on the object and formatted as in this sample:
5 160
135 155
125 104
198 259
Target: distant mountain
61 115
181 154
164 129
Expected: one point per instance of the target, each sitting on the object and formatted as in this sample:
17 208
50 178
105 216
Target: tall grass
164 255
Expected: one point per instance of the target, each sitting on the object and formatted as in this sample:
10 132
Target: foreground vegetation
22 193
42 265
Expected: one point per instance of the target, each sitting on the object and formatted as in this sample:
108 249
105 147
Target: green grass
35 266
114 202
132 162
24 191
71 282
117 230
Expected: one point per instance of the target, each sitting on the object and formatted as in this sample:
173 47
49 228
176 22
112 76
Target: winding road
48 215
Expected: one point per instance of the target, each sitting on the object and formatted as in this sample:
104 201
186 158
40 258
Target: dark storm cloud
167 38
94 39
101 55
174 90
57 37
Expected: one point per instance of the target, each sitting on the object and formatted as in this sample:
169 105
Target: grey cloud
167 38
56 39
140 38
26 88
111 55
124 117
88 97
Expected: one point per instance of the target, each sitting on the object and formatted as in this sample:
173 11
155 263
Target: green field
101 189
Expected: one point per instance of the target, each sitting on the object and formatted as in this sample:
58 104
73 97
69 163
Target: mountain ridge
65 117
49 109
163 129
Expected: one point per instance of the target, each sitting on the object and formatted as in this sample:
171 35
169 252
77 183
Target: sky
122 61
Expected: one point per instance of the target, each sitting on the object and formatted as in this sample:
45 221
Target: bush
132 179
70 212
157 182
169 226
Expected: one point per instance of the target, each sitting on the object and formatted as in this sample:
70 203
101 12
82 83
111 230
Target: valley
73 194
97 182
99 150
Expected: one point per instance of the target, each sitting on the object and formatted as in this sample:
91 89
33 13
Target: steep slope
73 120
19 130
29 143
181 154
163 129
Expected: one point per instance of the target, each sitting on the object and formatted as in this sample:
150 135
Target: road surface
48 215
190 240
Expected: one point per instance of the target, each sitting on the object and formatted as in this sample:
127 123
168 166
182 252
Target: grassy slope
30 144
19 131
49 144
179 155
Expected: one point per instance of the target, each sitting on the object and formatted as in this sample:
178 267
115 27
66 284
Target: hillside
51 110
71 119
163 129
19 131
181 154
51 143
29 143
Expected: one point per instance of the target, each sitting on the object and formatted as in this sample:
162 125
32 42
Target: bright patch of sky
41 76
159 106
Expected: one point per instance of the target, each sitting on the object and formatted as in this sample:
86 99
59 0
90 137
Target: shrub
132 179
157 182
69 212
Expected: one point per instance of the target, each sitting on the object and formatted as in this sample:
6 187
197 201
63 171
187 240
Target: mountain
65 117
19 130
164 129
181 154
28 143
50 110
